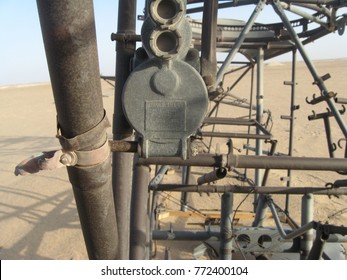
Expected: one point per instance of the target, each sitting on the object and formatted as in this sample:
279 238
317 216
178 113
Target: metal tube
291 124
139 219
69 36
186 179
317 247
320 83
261 206
306 217
239 41
209 42
330 143
303 14
300 231
246 190
121 167
294 163
241 161
204 235
213 176
259 117
183 235
226 235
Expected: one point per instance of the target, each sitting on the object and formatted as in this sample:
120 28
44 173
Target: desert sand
38 217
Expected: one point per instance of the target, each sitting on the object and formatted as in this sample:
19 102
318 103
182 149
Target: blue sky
22 57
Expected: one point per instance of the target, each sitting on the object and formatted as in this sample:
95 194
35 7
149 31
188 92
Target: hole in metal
265 241
244 240
167 42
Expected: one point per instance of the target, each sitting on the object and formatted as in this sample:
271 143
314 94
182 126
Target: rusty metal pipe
122 162
69 36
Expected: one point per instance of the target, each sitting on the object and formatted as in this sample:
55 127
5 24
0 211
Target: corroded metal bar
246 190
69 36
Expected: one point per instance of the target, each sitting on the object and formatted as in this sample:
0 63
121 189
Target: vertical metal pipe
226 226
121 163
260 213
209 43
291 124
327 127
317 249
306 217
320 83
186 180
69 36
259 113
139 219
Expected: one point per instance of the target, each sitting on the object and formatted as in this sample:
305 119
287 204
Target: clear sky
22 56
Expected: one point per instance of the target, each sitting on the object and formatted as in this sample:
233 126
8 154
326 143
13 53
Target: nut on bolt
68 158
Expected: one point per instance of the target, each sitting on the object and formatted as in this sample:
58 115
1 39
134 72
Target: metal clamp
85 158
82 141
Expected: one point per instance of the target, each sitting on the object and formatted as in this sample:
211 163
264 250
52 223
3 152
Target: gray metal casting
173 99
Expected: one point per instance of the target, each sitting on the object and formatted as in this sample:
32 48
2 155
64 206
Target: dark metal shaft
139 220
208 44
262 162
69 36
246 190
291 125
226 235
121 177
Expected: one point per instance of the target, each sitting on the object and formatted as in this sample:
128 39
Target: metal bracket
316 100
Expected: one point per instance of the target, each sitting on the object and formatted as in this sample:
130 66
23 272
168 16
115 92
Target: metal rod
291 125
186 179
303 14
306 217
239 41
316 251
68 30
226 234
183 235
208 43
242 161
212 176
259 116
296 233
121 163
261 207
139 218
234 135
330 143
247 189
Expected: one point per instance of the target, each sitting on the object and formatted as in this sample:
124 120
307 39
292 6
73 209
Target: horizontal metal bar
183 235
261 162
229 121
247 189
234 135
124 146
293 163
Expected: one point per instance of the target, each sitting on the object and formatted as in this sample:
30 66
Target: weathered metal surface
70 42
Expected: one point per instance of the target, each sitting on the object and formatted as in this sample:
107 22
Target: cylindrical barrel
213 176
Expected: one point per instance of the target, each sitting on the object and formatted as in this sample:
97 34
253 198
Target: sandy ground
38 217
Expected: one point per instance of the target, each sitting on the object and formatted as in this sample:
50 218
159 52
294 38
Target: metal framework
118 209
